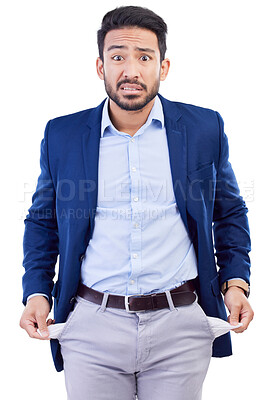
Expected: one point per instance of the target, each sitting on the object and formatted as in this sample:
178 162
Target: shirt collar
156 113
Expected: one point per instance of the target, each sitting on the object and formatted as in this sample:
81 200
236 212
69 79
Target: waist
182 295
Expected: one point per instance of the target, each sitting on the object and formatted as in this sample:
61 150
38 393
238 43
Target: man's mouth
131 88
126 88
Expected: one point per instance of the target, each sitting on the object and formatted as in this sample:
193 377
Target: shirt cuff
239 279
37 294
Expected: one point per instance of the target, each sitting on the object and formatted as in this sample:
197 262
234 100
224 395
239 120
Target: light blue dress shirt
140 244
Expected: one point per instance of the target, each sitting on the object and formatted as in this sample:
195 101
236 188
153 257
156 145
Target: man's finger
234 317
246 318
31 329
42 326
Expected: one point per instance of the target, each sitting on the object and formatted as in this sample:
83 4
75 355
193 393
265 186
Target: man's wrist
36 294
239 283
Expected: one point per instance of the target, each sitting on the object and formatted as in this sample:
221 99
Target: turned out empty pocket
56 330
216 326
220 327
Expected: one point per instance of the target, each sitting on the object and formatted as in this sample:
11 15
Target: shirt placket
136 201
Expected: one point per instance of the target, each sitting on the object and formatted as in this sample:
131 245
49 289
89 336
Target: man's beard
131 106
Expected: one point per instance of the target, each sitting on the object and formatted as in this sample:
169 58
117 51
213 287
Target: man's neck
129 121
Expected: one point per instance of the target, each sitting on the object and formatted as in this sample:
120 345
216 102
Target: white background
221 58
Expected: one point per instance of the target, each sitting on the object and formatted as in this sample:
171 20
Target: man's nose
131 69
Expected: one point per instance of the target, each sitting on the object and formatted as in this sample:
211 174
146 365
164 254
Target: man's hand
34 317
239 308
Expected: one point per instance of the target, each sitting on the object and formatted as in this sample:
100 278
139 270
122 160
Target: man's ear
164 69
99 66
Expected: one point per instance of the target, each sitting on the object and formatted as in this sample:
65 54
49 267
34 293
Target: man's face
131 69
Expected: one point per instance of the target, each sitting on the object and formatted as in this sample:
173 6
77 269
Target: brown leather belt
181 296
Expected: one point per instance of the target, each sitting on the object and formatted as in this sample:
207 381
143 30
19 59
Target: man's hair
133 16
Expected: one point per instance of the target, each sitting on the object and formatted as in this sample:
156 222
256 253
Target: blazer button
72 300
81 257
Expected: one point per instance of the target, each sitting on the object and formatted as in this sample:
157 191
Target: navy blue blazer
61 218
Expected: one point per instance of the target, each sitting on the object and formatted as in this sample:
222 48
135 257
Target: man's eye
117 58
145 58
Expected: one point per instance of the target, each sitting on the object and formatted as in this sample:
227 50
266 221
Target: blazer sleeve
40 241
230 222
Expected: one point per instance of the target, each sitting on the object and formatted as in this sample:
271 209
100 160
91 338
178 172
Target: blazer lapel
90 149
177 145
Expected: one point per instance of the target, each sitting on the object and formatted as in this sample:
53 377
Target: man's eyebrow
116 46
145 50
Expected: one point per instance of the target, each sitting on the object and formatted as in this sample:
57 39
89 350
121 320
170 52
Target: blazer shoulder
195 110
200 119
191 114
203 130
78 117
73 125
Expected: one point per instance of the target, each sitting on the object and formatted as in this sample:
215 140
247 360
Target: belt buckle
126 302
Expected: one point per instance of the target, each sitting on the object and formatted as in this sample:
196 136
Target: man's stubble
130 105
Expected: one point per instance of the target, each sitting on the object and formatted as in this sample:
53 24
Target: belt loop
196 300
170 300
104 302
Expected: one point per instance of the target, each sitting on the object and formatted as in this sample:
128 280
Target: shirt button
135 255
136 225
134 169
132 140
135 198
132 282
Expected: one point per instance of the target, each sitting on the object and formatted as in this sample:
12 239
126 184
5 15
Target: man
131 195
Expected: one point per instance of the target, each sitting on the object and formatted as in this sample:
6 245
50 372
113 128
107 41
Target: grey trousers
155 355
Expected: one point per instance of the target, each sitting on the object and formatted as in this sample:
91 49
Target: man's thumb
42 326
234 316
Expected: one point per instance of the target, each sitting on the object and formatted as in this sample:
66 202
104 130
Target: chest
139 165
